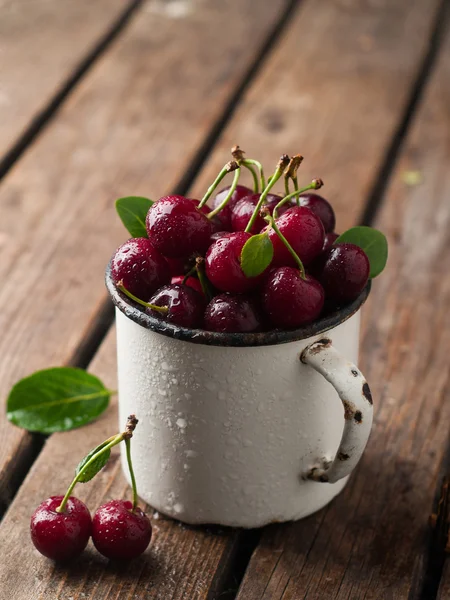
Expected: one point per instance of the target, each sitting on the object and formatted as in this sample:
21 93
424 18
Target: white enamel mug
241 429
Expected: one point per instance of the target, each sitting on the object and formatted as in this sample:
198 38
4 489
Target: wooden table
116 97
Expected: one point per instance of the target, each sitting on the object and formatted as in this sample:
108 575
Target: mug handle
354 392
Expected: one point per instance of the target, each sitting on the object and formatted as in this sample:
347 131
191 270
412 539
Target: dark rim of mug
212 338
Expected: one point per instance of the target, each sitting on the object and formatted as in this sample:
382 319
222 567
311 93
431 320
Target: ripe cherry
291 301
140 266
119 532
345 273
303 230
61 535
320 207
224 215
243 210
177 227
230 313
223 264
186 306
329 240
192 282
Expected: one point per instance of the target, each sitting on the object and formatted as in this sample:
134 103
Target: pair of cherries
118 531
62 525
153 269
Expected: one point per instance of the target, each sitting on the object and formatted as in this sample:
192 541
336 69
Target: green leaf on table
372 241
96 465
256 255
133 210
57 399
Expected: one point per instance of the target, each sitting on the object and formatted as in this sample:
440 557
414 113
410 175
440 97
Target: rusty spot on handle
358 416
343 456
319 345
367 393
349 410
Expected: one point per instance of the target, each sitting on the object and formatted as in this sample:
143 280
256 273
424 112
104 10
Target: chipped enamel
237 435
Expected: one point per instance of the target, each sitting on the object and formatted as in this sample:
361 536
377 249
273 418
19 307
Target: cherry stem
250 162
231 191
255 177
272 181
204 282
314 185
286 186
230 166
162 309
294 254
113 441
107 445
132 477
189 274
297 198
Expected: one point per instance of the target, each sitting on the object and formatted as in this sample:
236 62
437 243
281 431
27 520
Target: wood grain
182 562
132 126
41 45
334 92
372 541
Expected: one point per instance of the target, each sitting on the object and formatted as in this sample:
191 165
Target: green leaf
372 241
96 465
133 210
256 255
57 399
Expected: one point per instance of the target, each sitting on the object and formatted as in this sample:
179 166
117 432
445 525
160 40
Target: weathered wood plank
42 43
372 541
182 562
133 126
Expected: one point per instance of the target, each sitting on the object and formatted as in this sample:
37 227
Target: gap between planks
43 118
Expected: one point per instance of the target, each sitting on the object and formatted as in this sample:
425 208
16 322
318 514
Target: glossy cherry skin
177 228
329 240
320 207
223 264
232 313
243 210
216 224
345 273
316 266
224 215
290 301
186 306
61 536
192 282
140 266
303 230
120 533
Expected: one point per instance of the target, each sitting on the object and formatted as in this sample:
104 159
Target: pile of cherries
188 270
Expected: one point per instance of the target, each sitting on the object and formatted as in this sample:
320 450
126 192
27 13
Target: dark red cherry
303 230
186 306
192 282
290 301
177 227
345 273
120 533
320 207
177 266
329 240
315 267
224 215
223 264
232 313
61 536
216 224
243 210
140 266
